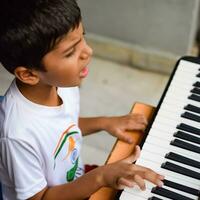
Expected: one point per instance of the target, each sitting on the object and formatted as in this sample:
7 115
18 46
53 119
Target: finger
150 175
155 178
139 127
140 182
123 182
124 137
140 118
133 157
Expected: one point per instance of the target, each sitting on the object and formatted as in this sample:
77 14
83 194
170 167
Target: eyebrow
73 45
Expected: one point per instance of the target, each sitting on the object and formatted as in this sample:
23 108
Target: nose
86 52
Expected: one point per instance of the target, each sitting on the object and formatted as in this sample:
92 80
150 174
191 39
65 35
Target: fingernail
162 177
143 188
160 183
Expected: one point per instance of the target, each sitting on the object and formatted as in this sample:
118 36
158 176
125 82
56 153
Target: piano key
167 193
180 80
182 97
136 191
154 198
174 108
185 145
162 152
170 120
165 145
182 159
146 155
166 110
167 173
198 75
148 192
181 124
196 84
186 77
187 137
192 108
179 101
168 136
181 187
181 170
188 128
129 196
195 91
191 116
187 65
180 89
194 97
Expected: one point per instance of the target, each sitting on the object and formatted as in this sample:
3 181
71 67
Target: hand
123 173
117 126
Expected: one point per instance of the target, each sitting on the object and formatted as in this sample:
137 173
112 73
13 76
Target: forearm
79 189
91 125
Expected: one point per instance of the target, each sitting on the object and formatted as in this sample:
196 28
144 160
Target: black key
191 116
154 198
197 84
169 194
192 108
187 137
195 91
185 145
183 159
198 75
194 97
187 128
180 170
181 187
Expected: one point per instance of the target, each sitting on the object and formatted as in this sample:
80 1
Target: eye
71 53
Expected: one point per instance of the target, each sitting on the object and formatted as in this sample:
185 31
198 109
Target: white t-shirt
39 145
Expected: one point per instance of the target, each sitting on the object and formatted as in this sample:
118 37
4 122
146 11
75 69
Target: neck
41 94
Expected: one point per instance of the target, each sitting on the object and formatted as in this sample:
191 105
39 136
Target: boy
42 44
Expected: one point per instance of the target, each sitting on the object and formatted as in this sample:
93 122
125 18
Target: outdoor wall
167 27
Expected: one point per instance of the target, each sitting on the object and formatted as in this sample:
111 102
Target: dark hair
31 28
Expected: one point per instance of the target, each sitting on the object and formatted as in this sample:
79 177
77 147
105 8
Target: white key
144 194
173 121
131 196
128 196
165 145
149 186
162 152
181 101
160 159
166 135
156 167
187 65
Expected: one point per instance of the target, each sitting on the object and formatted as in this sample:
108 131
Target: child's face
67 63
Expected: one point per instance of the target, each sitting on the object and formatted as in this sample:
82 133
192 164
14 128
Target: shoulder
14 116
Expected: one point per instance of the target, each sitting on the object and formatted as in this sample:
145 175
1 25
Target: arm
91 125
116 126
81 188
116 175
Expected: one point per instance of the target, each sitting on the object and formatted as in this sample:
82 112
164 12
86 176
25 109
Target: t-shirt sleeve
23 167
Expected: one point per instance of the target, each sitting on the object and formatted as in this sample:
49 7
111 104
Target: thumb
133 157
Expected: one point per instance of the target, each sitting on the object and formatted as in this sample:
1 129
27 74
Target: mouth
84 72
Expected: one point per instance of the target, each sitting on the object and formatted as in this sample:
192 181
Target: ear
26 75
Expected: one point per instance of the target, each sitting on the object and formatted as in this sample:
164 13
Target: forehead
70 38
